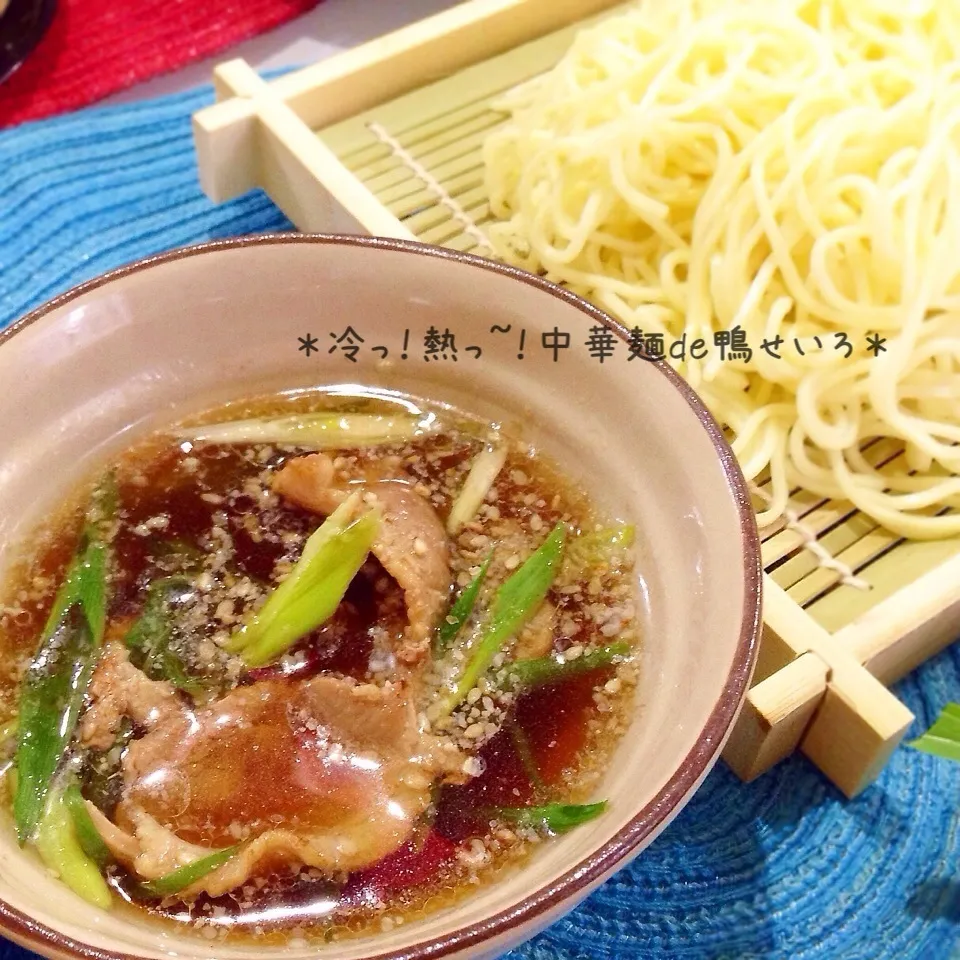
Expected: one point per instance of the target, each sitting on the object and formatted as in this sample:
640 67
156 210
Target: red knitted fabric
97 47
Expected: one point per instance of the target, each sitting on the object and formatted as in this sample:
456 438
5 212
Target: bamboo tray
386 139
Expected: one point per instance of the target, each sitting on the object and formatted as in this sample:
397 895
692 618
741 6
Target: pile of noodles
788 166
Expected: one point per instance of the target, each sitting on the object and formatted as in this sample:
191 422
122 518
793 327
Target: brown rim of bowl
697 762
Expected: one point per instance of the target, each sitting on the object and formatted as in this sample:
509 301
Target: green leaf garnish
149 639
943 738
102 770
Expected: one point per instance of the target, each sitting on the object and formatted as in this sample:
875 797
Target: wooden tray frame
815 691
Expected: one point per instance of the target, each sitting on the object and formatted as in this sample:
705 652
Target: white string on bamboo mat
808 541
431 182
528 85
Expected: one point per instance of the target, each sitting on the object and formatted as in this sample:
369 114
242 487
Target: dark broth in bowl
313 665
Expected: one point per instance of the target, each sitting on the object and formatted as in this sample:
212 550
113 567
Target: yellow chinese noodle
788 166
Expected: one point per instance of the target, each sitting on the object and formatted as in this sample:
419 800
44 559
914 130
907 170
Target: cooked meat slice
148 849
414 550
151 850
325 772
310 482
412 544
270 851
124 847
536 638
117 690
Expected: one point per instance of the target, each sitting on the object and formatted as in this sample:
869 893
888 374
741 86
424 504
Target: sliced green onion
943 738
61 850
318 431
528 761
93 589
177 880
483 472
312 592
102 770
555 817
8 744
184 556
542 670
623 535
57 678
88 836
299 577
461 610
149 637
592 549
515 603
102 511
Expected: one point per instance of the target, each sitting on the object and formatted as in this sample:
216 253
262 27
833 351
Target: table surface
334 25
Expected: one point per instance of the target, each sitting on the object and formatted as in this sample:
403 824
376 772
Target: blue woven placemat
781 868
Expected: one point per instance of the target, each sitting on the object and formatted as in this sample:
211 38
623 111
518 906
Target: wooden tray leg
824 701
775 717
855 730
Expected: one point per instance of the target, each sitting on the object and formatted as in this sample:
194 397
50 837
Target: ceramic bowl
94 369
